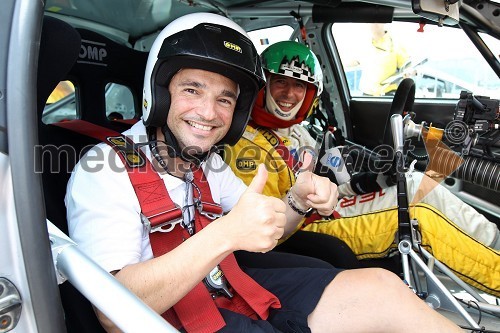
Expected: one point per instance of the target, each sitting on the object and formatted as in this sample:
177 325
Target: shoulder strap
333 125
155 202
161 215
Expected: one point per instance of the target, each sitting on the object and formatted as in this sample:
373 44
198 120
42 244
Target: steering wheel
402 102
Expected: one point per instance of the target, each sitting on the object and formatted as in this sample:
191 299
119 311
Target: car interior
101 48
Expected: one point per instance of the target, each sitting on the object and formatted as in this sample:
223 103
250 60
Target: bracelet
293 205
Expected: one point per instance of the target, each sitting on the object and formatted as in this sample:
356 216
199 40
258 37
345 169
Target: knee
366 286
373 279
383 277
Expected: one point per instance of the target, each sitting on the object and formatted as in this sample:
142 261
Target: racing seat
91 61
60 149
59 48
102 62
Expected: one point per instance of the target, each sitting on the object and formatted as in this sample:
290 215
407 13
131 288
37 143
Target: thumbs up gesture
314 191
259 181
256 222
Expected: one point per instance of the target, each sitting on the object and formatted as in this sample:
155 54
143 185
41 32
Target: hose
476 170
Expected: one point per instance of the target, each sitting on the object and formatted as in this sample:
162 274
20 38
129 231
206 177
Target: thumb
259 181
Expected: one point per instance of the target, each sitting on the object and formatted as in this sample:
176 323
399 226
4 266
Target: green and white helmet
294 60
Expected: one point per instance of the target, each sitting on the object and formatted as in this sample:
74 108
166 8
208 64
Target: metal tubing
449 273
437 289
305 10
118 303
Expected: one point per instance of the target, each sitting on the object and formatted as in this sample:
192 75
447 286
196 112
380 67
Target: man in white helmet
202 76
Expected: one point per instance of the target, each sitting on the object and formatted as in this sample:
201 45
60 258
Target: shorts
298 289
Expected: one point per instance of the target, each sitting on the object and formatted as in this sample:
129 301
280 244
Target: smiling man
285 96
365 221
215 95
201 79
200 114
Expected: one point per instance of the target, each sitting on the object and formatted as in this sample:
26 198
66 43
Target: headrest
59 48
101 61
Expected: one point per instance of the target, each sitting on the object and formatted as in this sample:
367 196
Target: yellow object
373 235
433 134
63 89
254 149
385 59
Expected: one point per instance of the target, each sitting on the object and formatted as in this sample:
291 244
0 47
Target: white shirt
103 210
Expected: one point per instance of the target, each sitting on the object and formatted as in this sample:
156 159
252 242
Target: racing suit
451 230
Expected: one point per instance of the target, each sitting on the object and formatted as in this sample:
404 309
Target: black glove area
365 182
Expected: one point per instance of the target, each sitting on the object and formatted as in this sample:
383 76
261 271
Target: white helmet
202 41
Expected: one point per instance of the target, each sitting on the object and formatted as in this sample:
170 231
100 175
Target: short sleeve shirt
103 211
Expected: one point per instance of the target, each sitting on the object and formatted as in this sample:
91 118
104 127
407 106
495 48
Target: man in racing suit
454 232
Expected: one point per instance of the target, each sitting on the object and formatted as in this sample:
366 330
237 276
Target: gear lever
437 295
403 214
397 132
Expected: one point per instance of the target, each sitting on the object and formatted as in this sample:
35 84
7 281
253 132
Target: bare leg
374 300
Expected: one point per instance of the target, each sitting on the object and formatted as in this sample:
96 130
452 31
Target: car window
119 102
61 104
262 38
441 60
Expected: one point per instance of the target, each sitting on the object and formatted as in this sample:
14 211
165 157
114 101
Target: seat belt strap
158 208
258 298
198 303
148 186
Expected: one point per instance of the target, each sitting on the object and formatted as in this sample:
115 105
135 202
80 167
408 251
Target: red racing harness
160 215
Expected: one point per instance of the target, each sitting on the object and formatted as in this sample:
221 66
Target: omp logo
245 164
132 157
217 275
232 46
92 53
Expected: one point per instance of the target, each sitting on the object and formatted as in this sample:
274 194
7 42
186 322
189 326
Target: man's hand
256 222
314 191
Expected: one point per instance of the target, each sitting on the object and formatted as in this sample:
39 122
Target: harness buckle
217 284
211 210
165 226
